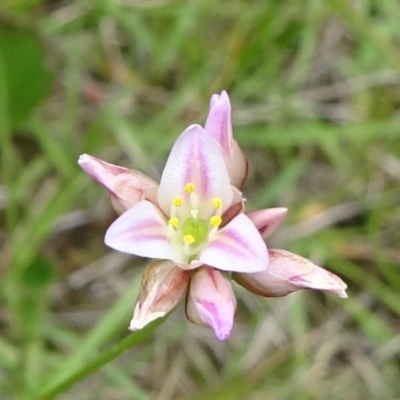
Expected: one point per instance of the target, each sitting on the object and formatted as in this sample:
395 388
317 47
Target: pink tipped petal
237 247
266 221
219 126
195 158
211 301
141 231
287 273
124 185
218 123
163 285
218 317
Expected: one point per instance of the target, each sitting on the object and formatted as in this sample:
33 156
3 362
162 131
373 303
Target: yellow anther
173 222
215 221
189 239
216 202
189 188
177 201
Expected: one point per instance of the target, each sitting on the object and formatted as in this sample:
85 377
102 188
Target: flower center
189 230
194 230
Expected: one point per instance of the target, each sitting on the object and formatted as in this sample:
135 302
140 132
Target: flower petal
141 231
287 273
125 186
195 158
266 221
211 301
219 126
163 285
237 247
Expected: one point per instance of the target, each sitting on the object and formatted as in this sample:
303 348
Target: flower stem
115 351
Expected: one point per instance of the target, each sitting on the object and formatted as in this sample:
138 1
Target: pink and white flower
187 224
193 223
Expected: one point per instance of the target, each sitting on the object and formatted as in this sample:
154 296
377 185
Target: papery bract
211 301
287 273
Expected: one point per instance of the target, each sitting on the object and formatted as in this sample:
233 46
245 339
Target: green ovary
197 228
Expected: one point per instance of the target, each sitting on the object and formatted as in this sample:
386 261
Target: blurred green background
315 91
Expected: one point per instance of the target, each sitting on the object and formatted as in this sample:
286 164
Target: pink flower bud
266 221
287 273
124 185
219 126
211 301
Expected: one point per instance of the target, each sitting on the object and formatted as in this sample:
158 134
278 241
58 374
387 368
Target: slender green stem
6 151
115 351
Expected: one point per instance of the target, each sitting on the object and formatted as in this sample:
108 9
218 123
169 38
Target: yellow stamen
216 202
177 201
189 239
174 221
189 188
215 221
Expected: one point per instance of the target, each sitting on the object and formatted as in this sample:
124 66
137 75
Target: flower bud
219 126
287 273
124 185
211 301
266 221
163 285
